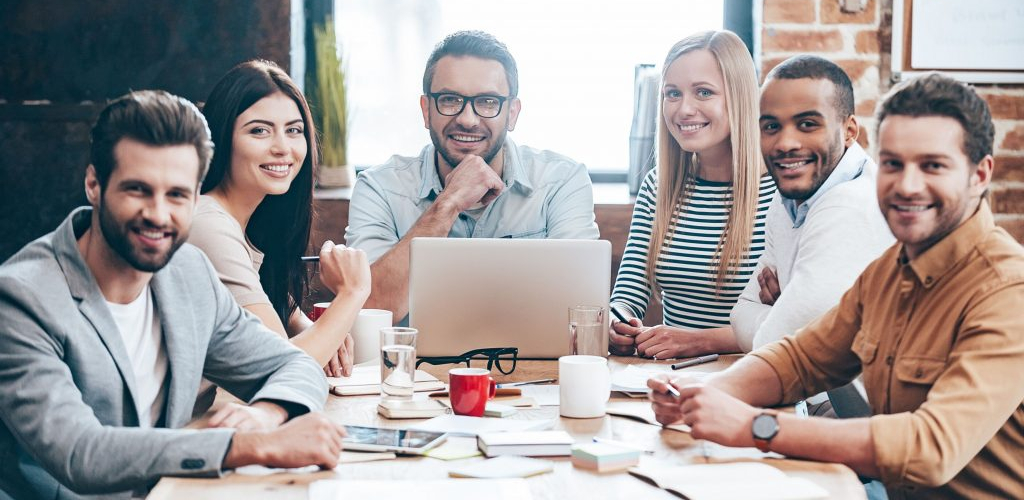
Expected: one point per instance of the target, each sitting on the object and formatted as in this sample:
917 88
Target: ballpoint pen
526 382
310 258
695 361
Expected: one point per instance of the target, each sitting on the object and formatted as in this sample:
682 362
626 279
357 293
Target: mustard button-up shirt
940 342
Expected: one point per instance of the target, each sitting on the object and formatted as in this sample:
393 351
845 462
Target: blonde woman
698 224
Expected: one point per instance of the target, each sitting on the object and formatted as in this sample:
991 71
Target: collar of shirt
942 257
850 166
512 172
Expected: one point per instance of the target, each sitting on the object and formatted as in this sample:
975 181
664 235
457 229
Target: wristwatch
764 428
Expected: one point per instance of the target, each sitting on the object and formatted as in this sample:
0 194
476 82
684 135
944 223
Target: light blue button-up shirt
546 195
850 166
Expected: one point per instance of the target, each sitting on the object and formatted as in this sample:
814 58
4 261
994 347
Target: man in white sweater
823 228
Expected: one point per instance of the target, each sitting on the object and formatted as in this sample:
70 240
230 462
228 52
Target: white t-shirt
139 324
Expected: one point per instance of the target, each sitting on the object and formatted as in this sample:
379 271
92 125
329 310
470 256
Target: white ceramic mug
584 385
366 333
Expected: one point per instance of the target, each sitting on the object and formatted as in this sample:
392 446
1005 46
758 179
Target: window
576 63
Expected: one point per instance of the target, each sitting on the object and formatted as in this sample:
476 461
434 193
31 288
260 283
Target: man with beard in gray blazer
108 324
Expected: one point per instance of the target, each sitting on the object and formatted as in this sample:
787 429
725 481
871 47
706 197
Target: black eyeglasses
503 358
485 106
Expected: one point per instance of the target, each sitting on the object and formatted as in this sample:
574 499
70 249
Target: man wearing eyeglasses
471 181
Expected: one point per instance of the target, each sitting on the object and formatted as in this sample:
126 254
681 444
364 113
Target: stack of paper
729 481
365 379
531 444
604 457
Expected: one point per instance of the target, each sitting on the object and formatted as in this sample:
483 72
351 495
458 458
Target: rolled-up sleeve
371 224
819 356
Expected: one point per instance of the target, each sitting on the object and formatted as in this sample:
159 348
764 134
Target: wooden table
669 446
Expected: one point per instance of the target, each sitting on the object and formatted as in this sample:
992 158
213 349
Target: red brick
1015 227
802 41
1006 106
1009 168
1008 201
866 107
832 14
866 42
789 11
855 68
1014 139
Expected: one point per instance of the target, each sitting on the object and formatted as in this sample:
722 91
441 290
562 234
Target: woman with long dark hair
254 216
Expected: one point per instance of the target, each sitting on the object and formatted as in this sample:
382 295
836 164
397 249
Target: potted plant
330 110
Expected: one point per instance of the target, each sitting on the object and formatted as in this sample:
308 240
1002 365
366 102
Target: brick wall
860 43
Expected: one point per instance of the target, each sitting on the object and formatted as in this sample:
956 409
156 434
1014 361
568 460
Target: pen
672 390
618 314
310 258
526 382
695 361
620 444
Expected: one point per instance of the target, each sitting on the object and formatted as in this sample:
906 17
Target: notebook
719 482
365 379
507 466
531 444
472 293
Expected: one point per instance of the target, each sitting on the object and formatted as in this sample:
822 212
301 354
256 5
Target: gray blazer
68 424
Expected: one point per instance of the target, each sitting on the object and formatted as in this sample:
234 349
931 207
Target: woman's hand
622 337
667 342
340 364
345 271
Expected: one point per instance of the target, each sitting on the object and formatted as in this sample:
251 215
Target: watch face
765 426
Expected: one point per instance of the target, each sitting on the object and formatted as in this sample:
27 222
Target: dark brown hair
936 94
152 117
280 225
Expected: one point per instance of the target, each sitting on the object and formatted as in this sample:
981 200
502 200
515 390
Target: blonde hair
677 169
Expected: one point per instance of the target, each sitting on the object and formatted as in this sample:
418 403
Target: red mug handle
493 389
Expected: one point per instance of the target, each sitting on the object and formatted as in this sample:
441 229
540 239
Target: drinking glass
397 362
588 330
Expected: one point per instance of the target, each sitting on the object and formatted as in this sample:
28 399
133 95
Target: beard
827 164
450 156
116 234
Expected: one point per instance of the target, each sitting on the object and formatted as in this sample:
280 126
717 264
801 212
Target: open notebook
719 482
365 379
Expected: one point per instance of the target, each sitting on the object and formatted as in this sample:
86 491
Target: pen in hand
618 314
310 258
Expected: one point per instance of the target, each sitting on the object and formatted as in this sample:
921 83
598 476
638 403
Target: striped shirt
684 270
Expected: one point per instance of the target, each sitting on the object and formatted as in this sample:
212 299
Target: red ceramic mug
469 390
318 309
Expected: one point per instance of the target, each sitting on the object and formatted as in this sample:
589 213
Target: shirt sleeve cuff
889 435
780 359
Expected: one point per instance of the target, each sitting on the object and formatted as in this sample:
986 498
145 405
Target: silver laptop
472 293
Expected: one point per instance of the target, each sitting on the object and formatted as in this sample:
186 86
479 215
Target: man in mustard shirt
934 326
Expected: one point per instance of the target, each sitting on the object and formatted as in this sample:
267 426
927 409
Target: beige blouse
223 240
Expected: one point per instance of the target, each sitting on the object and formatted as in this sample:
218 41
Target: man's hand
311 439
341 362
769 282
472 181
622 337
261 415
711 413
345 271
667 342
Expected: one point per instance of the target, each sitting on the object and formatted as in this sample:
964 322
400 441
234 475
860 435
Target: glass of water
397 362
588 330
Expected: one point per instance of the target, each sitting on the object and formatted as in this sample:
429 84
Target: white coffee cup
584 385
366 333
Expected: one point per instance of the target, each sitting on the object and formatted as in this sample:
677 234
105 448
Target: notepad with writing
722 482
531 444
366 380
